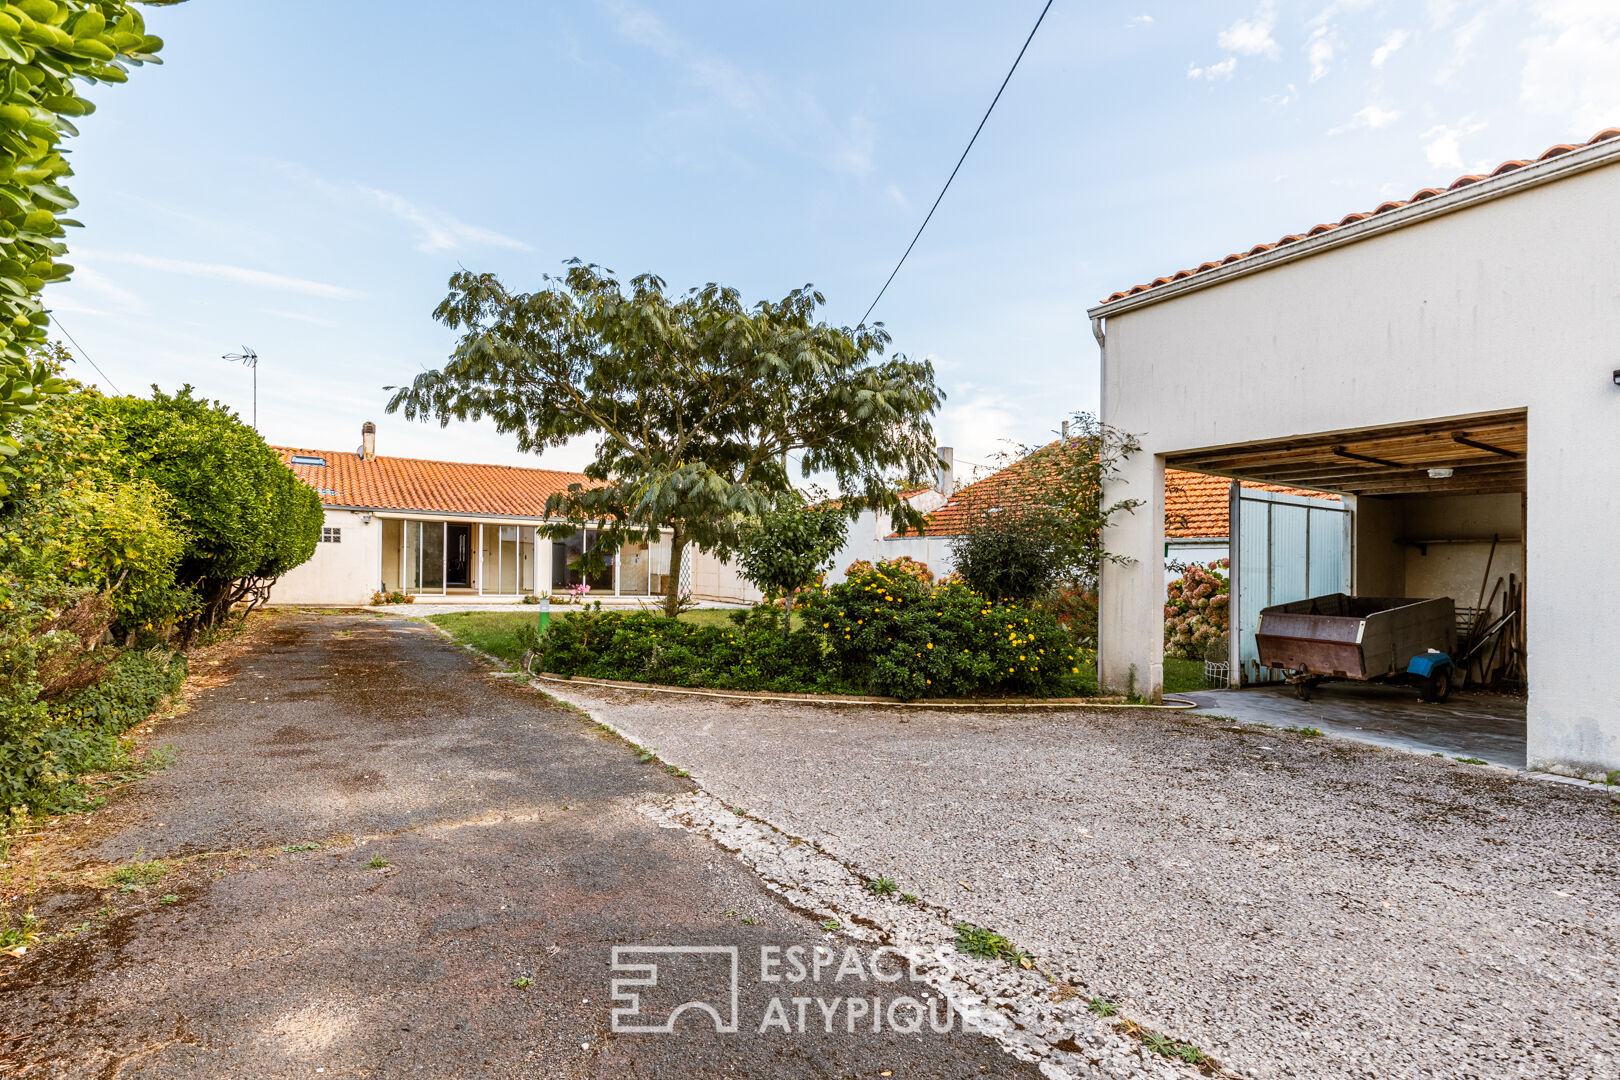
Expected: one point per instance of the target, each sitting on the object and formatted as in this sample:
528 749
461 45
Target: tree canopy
785 550
46 45
701 407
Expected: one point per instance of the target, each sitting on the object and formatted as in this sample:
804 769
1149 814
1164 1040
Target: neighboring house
1197 515
451 531
1447 364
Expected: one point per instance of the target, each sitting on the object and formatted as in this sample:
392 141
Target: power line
959 161
84 354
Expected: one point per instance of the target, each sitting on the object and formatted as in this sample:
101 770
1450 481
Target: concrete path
379 861
1298 907
1490 727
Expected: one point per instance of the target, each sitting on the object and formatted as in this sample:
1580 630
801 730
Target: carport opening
1430 509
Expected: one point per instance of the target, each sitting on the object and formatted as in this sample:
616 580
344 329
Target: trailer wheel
1436 688
1302 689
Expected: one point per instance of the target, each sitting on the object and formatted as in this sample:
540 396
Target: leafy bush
79 732
750 654
895 635
786 550
1197 610
398 596
250 520
904 566
1015 552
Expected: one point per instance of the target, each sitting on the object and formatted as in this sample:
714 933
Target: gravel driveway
1299 907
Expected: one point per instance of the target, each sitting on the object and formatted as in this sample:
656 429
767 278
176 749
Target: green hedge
884 634
81 735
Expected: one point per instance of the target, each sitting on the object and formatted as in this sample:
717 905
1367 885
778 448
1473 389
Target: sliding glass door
424 556
508 560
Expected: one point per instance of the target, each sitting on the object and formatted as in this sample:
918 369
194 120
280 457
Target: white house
1446 363
452 531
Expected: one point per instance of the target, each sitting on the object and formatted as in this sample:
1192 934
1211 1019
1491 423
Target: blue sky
303 178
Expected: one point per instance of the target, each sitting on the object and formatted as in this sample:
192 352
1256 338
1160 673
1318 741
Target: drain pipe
1099 330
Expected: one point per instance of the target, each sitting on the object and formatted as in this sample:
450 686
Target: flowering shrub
895 634
1076 610
398 596
904 566
1197 610
751 654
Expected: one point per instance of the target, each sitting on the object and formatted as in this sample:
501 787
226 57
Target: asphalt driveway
1296 906
372 858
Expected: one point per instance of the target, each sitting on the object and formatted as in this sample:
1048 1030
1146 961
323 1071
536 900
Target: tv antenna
250 358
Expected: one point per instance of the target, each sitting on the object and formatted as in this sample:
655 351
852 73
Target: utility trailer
1366 638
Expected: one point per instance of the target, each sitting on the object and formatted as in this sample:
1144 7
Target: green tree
1015 552
697 403
249 519
46 45
787 549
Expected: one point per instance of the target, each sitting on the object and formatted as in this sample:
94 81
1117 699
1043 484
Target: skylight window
308 459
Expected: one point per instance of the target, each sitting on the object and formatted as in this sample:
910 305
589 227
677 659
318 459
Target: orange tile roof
1350 219
1195 505
1199 505
435 487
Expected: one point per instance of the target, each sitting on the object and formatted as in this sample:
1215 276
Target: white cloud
261 279
1370 117
1442 145
644 28
298 316
1572 68
852 151
1252 36
438 231
90 292
1392 41
1462 48
1139 21
1319 50
897 196
1283 98
1222 70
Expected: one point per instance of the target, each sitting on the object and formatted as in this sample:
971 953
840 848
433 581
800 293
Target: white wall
343 573
1504 304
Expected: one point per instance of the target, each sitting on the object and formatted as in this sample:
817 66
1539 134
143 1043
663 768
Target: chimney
1065 433
947 470
368 441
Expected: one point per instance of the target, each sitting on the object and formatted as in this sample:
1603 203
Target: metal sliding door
1284 548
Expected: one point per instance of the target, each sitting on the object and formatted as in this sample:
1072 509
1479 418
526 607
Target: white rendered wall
1511 303
344 573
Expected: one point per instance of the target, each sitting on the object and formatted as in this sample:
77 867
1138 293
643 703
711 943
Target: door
458 556
1284 548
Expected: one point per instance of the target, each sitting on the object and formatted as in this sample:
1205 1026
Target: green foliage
1016 553
982 944
46 45
881 886
1197 610
694 400
249 519
786 550
43 747
1102 1007
896 635
751 653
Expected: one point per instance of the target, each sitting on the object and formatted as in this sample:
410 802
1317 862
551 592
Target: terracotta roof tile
438 487
1196 505
1351 219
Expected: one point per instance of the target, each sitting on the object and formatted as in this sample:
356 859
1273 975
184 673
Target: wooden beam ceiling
1485 453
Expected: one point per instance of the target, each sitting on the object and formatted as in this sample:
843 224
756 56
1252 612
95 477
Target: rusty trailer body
1359 637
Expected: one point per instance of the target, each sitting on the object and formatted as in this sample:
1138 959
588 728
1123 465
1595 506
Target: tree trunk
672 593
787 615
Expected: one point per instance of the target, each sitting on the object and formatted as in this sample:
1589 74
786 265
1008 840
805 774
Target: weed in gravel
1613 779
1173 1048
648 754
377 862
881 886
19 933
138 875
522 982
983 944
295 848
169 898
673 771
1102 1007
747 920
1308 732
908 898
1472 760
830 925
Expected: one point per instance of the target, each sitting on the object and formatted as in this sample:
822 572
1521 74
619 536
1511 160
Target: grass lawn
1180 676
495 632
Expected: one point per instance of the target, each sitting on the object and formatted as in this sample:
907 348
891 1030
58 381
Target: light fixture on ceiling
1440 474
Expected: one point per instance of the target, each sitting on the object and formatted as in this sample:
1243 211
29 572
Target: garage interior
1437 508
